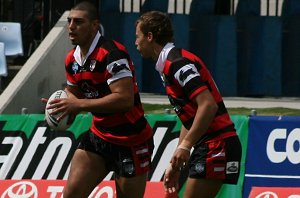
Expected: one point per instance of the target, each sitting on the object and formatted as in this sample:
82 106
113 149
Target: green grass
278 111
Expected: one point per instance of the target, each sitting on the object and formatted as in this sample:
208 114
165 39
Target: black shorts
124 161
217 159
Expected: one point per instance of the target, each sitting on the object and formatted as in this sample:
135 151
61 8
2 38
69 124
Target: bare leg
131 187
202 188
87 170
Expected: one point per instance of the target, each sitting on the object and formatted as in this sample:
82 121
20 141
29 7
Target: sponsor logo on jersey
92 65
118 67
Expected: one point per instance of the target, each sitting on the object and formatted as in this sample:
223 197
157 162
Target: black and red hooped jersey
185 75
108 62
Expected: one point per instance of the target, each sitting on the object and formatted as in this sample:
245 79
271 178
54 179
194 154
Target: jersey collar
163 57
77 55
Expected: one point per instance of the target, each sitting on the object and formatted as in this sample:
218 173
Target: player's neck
156 51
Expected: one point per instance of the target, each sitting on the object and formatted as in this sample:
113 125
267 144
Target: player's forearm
183 133
202 121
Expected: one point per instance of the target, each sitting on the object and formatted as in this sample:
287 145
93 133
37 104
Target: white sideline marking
273 176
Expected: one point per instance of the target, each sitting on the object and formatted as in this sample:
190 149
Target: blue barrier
290 56
213 38
259 56
248 8
247 55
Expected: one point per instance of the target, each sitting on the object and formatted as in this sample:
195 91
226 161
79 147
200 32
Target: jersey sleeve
118 66
188 77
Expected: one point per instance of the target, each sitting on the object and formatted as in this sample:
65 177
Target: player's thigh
87 170
202 188
131 187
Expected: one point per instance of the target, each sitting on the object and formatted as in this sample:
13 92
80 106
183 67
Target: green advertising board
29 149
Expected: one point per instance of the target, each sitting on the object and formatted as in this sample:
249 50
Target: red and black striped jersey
109 61
185 75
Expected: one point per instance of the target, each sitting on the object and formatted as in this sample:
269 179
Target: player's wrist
184 148
185 145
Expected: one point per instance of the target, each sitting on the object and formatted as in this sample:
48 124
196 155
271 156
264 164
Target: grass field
157 108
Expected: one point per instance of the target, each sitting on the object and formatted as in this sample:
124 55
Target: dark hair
89 7
159 24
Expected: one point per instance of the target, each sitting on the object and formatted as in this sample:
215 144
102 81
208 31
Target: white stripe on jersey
122 70
186 73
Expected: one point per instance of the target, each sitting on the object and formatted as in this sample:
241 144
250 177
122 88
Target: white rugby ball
63 124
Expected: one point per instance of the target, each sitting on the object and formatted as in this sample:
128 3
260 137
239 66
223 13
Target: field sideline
154 103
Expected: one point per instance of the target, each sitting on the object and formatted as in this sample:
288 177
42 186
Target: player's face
81 29
143 43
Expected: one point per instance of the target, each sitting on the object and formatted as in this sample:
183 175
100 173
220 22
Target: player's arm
183 133
206 110
121 98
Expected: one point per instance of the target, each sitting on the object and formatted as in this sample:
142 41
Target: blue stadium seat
3 66
11 36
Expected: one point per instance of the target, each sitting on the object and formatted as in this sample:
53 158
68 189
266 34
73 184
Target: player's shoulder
113 49
111 45
174 54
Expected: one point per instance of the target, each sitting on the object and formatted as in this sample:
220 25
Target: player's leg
202 188
133 165
207 168
87 170
88 167
212 164
131 187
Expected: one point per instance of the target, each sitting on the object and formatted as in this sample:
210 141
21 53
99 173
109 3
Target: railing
272 7
175 6
268 7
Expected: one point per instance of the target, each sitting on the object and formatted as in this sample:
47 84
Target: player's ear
96 24
150 36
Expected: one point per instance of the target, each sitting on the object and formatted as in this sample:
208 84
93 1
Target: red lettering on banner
273 192
54 189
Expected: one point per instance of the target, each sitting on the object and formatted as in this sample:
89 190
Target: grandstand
250 46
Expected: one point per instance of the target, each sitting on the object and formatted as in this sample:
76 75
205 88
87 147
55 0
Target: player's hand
171 178
180 158
65 106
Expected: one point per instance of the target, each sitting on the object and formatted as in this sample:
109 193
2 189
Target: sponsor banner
54 189
273 154
29 149
273 192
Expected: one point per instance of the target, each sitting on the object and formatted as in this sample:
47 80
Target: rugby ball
63 124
